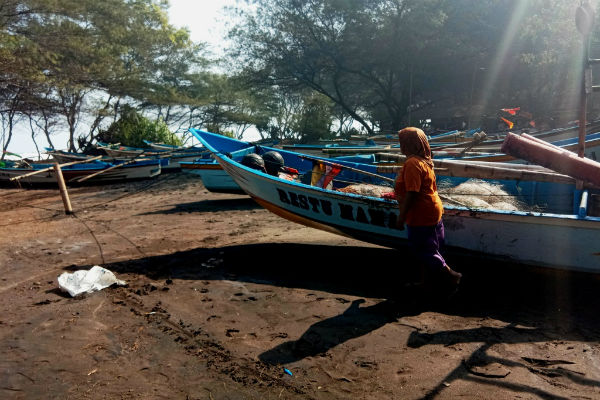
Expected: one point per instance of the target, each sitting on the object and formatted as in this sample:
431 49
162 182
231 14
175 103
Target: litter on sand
84 281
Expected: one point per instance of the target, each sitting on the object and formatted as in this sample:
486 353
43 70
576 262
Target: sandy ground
224 299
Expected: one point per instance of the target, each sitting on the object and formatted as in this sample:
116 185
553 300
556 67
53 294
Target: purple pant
426 242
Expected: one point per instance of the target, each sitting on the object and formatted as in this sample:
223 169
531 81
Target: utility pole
584 20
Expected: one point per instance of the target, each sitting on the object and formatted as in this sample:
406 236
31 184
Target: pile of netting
478 194
365 189
473 194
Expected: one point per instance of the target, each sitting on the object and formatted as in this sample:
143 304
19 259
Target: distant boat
565 235
136 170
171 147
214 178
494 141
592 150
124 153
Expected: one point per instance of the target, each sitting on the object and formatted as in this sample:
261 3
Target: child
421 208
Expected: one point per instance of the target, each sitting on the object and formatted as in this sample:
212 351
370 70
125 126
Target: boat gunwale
448 209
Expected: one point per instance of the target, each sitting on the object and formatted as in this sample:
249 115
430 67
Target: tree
76 52
357 53
315 119
377 58
132 129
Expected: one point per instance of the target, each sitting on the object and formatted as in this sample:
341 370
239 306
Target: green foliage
374 58
314 120
132 129
53 54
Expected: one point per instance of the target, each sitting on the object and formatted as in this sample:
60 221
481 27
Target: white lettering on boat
348 212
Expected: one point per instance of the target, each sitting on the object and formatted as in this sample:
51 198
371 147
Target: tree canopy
375 58
309 69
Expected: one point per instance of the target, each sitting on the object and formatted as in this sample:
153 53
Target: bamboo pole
16 178
63 189
467 170
85 178
360 150
401 159
478 138
385 178
444 138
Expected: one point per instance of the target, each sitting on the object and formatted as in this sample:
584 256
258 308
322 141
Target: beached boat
214 178
493 142
127 153
171 147
128 171
118 151
564 234
592 150
320 148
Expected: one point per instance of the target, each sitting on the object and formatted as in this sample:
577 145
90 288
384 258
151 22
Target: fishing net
365 189
473 194
476 193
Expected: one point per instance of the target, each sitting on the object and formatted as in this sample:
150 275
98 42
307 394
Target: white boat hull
549 240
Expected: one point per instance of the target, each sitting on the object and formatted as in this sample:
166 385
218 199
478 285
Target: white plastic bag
82 281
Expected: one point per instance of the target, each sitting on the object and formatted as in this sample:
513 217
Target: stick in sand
62 187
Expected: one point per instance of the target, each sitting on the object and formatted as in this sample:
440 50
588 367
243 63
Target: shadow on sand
209 206
553 305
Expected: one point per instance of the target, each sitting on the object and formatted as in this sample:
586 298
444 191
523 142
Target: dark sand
223 295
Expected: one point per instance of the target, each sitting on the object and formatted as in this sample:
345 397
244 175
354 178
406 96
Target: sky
206 21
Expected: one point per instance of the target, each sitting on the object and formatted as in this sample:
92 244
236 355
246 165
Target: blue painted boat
173 148
565 235
128 171
175 157
214 178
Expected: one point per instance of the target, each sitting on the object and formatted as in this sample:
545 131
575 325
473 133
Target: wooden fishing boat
173 148
120 153
62 156
564 234
319 149
128 171
494 141
214 178
592 151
